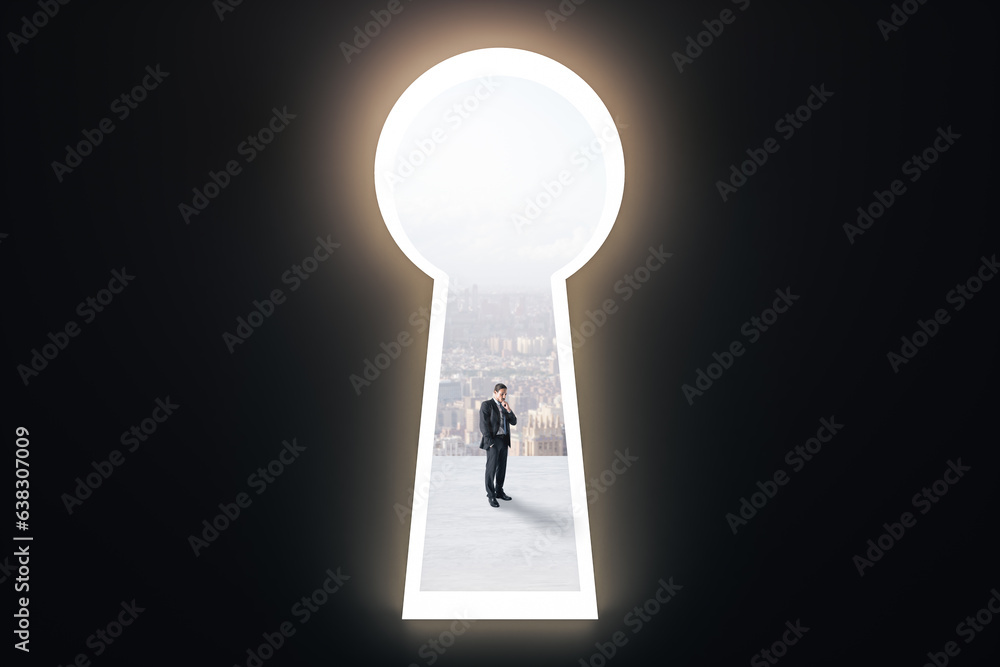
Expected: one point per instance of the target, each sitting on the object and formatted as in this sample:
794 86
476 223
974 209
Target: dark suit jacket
489 422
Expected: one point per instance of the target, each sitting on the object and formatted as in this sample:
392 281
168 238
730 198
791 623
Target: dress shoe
493 501
502 496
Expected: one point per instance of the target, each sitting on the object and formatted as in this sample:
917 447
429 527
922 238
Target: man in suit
495 420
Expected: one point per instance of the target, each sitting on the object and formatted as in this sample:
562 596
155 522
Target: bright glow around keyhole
499 162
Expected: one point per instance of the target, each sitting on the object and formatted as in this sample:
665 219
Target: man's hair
500 385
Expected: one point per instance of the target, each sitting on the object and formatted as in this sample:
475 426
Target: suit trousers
496 466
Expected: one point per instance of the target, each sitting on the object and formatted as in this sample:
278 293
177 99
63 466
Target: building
449 390
541 433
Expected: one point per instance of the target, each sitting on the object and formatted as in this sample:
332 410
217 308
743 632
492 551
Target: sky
500 182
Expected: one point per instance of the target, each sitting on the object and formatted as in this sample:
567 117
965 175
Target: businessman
495 420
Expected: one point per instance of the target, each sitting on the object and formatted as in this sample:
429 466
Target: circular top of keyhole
499 166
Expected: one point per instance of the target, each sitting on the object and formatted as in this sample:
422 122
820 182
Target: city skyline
508 337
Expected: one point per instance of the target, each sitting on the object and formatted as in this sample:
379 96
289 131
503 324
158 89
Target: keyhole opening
499 172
